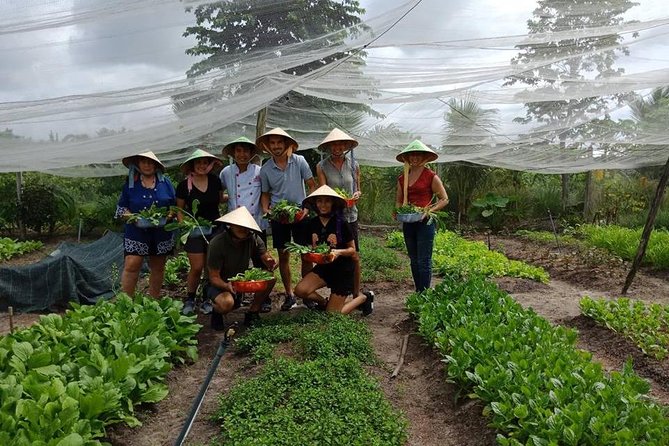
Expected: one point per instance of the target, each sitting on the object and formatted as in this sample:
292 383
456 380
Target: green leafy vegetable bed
538 388
67 377
10 248
647 325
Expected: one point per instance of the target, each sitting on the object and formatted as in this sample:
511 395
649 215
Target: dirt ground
420 391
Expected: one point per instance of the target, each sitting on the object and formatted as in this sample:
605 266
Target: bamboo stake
650 222
403 351
11 319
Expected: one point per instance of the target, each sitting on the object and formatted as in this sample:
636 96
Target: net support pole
19 204
261 126
650 223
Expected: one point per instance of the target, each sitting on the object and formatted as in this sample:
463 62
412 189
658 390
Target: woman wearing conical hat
283 177
418 186
229 254
145 187
202 185
331 228
340 171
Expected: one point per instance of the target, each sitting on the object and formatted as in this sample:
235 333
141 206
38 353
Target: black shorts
283 233
338 276
354 231
196 245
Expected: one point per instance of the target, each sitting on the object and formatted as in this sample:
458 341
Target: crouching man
231 253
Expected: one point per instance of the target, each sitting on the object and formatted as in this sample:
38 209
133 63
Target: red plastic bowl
317 258
251 286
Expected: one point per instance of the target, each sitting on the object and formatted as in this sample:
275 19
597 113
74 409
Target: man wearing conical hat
283 178
201 185
241 180
229 254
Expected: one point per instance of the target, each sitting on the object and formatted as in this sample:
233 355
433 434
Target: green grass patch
321 395
326 401
624 242
314 335
380 263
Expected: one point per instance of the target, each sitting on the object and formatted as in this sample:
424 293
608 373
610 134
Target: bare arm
439 190
358 191
265 199
216 280
311 184
181 204
322 180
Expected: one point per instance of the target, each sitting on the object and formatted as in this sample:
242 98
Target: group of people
250 192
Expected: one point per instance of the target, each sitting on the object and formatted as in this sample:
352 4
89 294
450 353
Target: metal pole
205 385
557 242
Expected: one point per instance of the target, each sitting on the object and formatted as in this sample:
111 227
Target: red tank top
420 192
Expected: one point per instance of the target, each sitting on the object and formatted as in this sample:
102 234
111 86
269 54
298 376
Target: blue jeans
419 239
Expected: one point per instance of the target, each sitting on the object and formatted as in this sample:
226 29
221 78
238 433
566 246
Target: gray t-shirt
231 257
343 179
286 184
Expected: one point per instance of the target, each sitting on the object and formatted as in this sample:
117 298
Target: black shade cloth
80 272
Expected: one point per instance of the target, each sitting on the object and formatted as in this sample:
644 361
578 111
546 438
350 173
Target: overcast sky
115 53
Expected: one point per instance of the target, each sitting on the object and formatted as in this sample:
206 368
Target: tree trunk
565 179
565 191
588 200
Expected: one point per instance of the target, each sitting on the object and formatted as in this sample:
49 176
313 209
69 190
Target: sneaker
266 306
206 307
310 304
368 305
251 318
288 303
217 321
189 307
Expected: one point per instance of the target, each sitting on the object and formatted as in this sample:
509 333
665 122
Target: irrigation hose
195 408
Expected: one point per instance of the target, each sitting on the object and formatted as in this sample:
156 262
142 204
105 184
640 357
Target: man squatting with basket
229 254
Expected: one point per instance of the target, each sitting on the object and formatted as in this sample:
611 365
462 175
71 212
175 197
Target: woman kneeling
329 226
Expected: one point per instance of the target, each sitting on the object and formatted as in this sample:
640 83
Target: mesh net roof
547 86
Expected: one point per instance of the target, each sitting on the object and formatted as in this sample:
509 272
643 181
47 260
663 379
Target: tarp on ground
79 272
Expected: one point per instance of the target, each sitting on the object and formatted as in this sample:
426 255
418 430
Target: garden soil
435 414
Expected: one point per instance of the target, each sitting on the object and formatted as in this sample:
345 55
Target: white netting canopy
551 86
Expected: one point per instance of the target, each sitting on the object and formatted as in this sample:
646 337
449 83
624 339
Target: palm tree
466 126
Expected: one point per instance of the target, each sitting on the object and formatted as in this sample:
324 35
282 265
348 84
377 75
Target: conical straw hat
187 166
150 155
228 149
323 191
262 140
240 217
417 146
337 135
